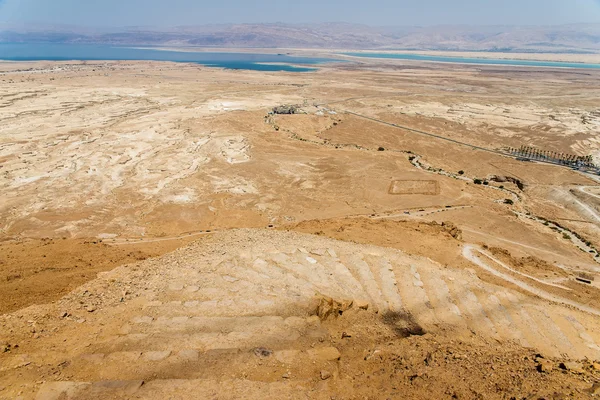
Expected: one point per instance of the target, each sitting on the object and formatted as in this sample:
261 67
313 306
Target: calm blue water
68 52
465 60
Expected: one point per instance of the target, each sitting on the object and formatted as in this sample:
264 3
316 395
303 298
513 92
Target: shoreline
339 53
334 57
350 56
543 56
490 63
547 57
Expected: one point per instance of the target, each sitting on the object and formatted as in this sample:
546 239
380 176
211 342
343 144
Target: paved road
433 135
469 252
406 128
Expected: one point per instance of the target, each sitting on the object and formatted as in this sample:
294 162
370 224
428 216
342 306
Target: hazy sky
100 13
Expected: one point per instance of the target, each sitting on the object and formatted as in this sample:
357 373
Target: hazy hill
563 38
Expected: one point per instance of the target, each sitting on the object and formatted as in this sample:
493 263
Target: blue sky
110 13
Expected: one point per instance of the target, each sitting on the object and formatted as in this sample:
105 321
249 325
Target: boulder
545 366
595 389
452 230
329 307
325 354
361 304
572 366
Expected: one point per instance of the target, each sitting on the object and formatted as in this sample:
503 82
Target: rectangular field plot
415 187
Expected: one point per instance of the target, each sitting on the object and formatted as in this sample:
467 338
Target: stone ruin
285 109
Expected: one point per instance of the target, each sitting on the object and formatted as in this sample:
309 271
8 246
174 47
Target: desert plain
163 231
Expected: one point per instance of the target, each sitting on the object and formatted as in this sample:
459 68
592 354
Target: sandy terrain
106 167
42 270
249 313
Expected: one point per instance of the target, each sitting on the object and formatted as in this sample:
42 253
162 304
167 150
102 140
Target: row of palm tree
534 153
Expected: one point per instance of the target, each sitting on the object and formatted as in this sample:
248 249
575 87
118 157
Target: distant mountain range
582 38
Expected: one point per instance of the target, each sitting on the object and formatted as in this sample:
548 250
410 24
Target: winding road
469 252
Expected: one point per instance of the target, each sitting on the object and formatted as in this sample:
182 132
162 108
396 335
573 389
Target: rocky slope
266 314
